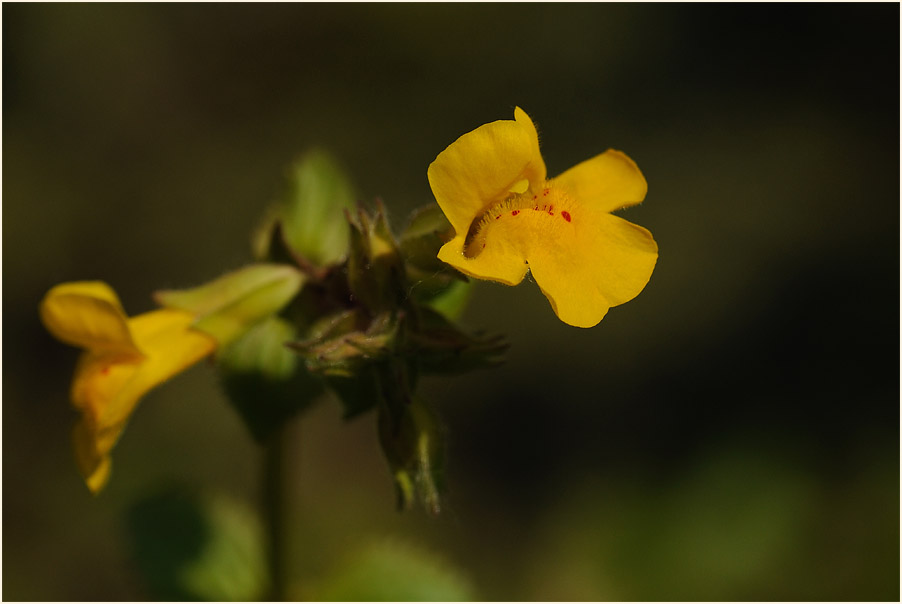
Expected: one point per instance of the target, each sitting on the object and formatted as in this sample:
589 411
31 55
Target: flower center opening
520 219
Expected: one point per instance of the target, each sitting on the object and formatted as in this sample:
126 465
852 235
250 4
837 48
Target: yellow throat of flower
522 220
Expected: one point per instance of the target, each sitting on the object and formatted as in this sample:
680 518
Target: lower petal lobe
602 262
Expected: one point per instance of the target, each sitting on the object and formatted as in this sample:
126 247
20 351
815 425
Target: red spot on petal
498 216
545 192
105 371
515 212
535 196
566 215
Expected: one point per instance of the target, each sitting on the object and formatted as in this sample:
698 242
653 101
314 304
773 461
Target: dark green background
733 433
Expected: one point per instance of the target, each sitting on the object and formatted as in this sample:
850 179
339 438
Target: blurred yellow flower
508 218
123 359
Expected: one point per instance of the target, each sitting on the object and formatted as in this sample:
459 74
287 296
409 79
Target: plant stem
274 510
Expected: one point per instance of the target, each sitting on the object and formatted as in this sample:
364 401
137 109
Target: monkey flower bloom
508 218
123 359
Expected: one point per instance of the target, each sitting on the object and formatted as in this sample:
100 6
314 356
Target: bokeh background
733 433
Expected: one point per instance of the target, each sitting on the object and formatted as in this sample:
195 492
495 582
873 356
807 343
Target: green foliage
229 306
310 211
359 311
340 349
265 382
432 282
451 300
440 347
427 230
728 529
390 571
414 447
371 346
197 547
375 267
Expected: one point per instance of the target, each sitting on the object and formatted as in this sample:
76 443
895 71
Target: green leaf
197 547
391 571
311 211
266 382
230 305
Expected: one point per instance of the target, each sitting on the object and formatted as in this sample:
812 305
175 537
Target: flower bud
375 268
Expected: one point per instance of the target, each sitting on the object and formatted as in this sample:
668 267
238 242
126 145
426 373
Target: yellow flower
508 218
123 359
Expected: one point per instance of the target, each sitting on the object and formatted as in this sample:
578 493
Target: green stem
274 511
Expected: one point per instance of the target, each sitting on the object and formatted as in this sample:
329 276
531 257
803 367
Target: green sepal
426 232
375 269
451 300
339 347
357 394
227 307
439 347
310 211
414 447
265 381
432 281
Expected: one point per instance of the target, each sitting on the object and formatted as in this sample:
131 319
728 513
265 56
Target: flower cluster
335 300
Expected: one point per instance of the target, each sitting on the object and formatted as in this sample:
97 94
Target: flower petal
88 314
99 379
503 261
600 262
94 466
171 347
108 386
607 182
482 167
